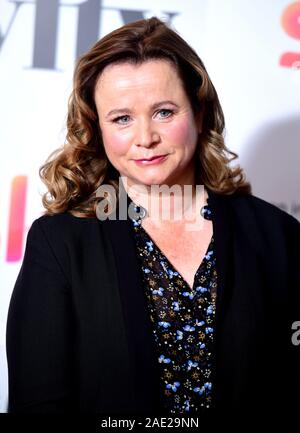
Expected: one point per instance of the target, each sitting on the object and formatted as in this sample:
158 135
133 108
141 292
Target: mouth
151 161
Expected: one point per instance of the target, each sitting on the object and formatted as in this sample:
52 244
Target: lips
150 159
154 160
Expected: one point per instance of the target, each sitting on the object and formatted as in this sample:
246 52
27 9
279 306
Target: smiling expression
144 112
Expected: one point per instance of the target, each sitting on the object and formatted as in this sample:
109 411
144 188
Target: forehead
125 77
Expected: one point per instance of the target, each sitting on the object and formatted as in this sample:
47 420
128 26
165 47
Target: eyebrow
155 105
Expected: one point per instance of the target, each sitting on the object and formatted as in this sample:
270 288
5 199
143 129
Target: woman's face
144 112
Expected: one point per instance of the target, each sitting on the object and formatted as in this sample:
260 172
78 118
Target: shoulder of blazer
264 212
68 237
254 220
65 226
268 227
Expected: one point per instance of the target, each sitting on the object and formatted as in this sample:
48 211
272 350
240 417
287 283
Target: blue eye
117 119
166 111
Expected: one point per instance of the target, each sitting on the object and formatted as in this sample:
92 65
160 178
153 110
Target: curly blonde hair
74 172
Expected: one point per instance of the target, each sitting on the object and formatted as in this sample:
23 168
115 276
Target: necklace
137 212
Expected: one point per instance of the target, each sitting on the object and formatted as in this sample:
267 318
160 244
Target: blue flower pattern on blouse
182 321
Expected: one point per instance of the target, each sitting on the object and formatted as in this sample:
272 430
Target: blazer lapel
140 339
223 236
223 231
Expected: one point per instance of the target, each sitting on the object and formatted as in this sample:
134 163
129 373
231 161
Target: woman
152 314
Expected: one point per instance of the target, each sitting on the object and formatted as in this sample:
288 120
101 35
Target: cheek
182 134
115 143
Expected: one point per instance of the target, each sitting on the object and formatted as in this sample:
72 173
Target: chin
150 179
154 180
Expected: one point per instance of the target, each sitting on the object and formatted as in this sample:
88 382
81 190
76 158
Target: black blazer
79 337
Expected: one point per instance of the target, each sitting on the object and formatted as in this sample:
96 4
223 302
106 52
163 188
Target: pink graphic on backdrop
16 222
290 21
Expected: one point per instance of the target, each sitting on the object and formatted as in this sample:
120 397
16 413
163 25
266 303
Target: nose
146 135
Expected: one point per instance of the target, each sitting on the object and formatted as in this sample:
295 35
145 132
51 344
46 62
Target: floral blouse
182 322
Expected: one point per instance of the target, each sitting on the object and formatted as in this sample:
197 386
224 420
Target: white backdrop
251 50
